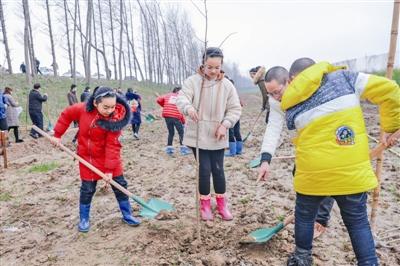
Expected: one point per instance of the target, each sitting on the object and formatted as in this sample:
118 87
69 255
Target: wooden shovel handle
380 148
288 220
84 162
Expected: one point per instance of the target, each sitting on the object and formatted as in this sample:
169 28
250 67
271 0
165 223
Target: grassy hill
58 88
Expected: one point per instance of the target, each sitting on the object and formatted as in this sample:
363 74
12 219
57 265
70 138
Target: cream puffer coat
219 105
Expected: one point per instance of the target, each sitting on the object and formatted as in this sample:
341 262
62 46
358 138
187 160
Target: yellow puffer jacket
332 153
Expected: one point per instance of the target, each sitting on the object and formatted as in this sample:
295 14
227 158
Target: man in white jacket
273 134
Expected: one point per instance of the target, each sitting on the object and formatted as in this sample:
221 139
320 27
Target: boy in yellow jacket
322 102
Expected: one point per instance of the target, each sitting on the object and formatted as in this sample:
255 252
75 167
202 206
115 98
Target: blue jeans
324 211
88 188
353 209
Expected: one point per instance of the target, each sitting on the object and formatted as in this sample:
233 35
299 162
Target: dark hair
254 69
87 88
7 90
176 89
103 92
299 65
73 86
278 73
212 52
36 86
130 90
95 89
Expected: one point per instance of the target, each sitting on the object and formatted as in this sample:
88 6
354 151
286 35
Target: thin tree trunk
120 42
67 31
133 42
112 39
80 26
55 66
127 41
88 42
73 70
27 45
5 40
107 69
95 44
32 51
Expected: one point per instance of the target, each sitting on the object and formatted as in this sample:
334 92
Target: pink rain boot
222 207
205 207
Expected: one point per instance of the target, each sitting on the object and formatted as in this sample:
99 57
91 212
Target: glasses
277 92
107 93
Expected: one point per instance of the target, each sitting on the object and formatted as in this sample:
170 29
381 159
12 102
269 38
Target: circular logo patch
345 136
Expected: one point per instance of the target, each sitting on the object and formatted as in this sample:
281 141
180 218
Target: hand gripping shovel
149 209
264 234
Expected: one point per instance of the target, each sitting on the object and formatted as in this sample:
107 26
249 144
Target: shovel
252 128
265 234
49 125
149 209
149 117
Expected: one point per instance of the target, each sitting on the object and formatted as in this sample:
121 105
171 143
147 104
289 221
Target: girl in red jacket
100 120
173 119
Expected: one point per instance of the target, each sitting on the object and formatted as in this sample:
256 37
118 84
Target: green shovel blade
150 118
262 235
153 207
255 162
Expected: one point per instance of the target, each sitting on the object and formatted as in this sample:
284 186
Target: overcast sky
277 32
266 32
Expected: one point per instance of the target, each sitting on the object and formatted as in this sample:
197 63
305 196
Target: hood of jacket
118 119
305 84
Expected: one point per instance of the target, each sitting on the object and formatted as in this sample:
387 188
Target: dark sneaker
296 260
33 135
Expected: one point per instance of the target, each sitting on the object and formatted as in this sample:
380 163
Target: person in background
136 118
12 113
72 99
35 109
173 119
85 94
235 138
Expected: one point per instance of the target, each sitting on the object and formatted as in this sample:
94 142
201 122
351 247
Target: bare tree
107 69
68 39
95 44
120 41
54 64
88 42
27 44
112 39
5 40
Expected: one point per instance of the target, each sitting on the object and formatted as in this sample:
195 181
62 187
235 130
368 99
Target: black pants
173 123
211 162
16 132
135 128
37 120
234 133
88 188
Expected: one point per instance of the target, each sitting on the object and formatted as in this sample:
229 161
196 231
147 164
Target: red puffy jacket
168 103
97 137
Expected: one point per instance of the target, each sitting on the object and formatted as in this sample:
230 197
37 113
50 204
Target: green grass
5 196
43 168
58 88
396 75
